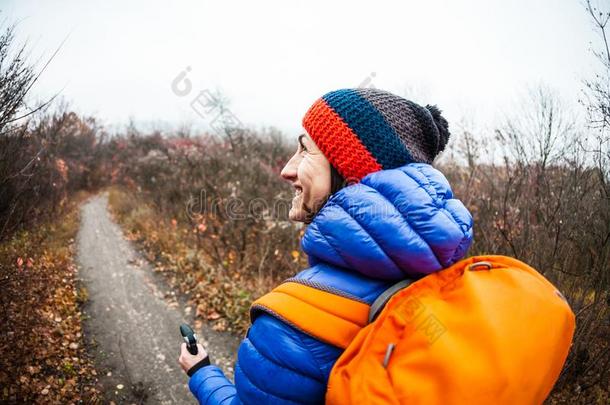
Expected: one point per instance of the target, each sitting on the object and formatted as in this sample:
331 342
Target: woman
377 213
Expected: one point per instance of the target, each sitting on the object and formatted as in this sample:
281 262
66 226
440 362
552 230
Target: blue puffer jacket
394 224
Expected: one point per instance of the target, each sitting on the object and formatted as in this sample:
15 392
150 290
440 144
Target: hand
187 360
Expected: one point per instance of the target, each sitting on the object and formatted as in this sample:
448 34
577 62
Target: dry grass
42 353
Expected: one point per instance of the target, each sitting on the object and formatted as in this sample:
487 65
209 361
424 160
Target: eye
303 148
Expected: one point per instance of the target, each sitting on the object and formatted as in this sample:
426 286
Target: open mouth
298 190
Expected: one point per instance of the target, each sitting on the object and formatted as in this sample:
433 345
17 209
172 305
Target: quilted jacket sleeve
210 386
276 364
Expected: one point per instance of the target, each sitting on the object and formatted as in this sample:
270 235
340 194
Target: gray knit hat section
413 123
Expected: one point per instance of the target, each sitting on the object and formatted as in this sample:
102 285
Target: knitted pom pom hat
361 131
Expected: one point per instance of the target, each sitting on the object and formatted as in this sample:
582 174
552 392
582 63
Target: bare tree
597 98
541 132
16 79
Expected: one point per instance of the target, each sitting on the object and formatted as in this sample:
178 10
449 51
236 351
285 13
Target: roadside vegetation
44 359
44 165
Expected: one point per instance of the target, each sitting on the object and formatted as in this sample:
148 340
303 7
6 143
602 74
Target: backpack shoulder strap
329 316
384 297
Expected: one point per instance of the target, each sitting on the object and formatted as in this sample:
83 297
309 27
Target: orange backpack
487 330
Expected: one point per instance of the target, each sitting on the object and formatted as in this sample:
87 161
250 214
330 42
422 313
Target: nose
289 172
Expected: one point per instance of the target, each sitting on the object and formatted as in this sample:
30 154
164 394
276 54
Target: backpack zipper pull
388 353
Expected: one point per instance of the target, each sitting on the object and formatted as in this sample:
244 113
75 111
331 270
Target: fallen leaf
212 316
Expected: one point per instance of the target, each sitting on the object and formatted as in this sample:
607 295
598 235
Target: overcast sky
272 59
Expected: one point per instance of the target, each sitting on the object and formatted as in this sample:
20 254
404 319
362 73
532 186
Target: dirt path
130 324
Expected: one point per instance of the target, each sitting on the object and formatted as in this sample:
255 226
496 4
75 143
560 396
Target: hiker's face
309 172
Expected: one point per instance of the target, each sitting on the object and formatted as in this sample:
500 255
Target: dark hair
337 182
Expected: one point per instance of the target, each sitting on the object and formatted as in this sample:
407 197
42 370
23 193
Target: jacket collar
394 224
